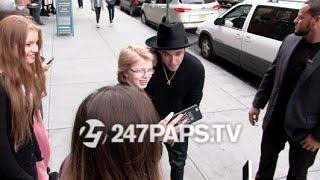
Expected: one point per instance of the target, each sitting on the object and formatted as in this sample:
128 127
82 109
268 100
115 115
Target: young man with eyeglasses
135 66
176 84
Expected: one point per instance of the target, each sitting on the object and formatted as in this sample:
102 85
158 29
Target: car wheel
143 18
206 47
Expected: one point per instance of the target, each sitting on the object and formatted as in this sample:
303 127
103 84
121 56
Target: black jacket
302 115
21 164
185 89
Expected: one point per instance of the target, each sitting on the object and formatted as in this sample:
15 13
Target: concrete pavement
89 60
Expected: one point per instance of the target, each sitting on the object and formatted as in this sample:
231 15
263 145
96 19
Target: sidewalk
89 60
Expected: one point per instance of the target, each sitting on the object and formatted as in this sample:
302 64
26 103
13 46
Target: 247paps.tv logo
93 135
200 133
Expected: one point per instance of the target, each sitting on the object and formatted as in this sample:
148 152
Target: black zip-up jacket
21 164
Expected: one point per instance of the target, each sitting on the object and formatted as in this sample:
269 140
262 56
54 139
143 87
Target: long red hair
24 83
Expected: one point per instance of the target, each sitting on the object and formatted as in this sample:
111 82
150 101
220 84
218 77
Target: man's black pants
80 3
111 12
177 158
97 10
273 141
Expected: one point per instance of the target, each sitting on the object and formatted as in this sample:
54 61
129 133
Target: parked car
229 3
190 12
131 6
249 34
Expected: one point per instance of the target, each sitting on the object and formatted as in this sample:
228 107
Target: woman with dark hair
22 84
111 105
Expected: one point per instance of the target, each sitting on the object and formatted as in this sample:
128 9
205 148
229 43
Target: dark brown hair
112 105
23 82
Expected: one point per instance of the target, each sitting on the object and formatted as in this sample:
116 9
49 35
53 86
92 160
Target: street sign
64 17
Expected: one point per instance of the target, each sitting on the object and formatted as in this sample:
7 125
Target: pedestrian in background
80 3
36 12
111 4
291 86
96 6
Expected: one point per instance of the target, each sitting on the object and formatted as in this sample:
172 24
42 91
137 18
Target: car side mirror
219 21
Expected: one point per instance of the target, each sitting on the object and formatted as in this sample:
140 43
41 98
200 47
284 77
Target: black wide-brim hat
171 36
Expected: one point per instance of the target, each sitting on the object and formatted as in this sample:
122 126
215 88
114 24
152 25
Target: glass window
273 22
237 17
196 1
161 1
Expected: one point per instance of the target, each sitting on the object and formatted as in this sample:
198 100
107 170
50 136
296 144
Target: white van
250 33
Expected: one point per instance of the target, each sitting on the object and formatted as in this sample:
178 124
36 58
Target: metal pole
167 11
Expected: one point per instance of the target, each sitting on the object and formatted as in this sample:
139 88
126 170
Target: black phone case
247 171
50 61
192 114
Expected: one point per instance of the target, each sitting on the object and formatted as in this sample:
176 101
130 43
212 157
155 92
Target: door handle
248 38
237 36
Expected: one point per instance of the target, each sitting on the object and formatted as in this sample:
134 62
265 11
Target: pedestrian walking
36 11
291 86
80 4
176 84
96 6
111 4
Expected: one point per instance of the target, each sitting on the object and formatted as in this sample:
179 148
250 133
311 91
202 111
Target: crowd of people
152 85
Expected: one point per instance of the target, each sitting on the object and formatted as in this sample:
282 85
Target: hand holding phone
191 114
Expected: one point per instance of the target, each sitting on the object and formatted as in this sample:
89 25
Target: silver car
190 12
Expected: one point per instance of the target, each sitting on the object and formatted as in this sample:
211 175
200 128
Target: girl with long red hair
22 84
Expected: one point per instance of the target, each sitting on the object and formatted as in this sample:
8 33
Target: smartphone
191 114
247 171
50 61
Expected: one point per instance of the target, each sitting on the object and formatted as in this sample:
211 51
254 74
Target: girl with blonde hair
136 65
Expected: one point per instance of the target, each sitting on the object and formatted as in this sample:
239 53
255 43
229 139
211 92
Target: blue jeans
35 12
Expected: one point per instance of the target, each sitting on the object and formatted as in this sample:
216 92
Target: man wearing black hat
176 84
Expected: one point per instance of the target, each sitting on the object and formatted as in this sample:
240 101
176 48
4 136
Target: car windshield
196 1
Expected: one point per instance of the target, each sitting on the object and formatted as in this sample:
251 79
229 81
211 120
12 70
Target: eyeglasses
141 72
